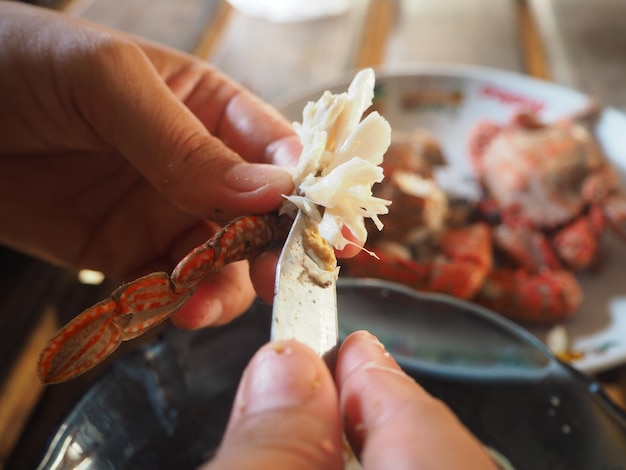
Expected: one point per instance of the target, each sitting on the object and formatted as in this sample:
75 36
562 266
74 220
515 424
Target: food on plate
333 180
340 162
552 187
428 242
548 192
435 242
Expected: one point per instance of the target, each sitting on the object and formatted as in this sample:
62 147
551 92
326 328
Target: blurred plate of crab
507 191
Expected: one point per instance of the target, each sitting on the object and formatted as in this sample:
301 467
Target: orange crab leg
143 303
577 243
469 249
244 238
460 272
543 298
525 247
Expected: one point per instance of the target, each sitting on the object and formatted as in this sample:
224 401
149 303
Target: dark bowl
166 405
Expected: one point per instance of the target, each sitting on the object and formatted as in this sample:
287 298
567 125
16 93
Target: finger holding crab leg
176 140
218 296
259 268
243 238
217 299
144 303
141 304
266 263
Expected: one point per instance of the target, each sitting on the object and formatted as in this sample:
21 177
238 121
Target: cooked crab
552 186
433 243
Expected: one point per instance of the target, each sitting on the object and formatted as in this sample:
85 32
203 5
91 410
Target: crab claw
543 298
81 344
98 331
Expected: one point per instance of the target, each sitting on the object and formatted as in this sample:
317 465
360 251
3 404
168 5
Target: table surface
577 43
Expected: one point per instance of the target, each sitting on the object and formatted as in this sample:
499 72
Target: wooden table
578 43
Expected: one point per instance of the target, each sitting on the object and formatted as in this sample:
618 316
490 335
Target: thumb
178 151
285 414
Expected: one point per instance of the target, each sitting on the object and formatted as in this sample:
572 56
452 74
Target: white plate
448 101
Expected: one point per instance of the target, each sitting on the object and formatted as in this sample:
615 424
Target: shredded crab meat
340 162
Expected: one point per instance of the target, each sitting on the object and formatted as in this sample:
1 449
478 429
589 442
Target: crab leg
460 271
143 303
244 238
542 298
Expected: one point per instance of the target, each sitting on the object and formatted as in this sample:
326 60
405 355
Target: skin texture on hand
120 156
287 415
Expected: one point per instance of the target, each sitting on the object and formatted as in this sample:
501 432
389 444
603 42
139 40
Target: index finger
206 143
248 125
392 421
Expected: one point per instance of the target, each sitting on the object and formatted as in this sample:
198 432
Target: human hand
287 414
120 156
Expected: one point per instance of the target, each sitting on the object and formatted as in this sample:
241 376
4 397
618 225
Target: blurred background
277 53
578 43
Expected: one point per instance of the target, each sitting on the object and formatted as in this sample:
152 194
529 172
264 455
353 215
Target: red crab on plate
552 187
548 192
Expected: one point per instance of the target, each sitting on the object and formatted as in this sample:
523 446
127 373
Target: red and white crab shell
551 184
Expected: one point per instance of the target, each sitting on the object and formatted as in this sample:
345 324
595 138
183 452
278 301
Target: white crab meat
340 162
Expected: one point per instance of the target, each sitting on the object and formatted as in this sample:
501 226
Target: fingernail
247 177
376 350
362 350
375 356
280 376
286 151
368 341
